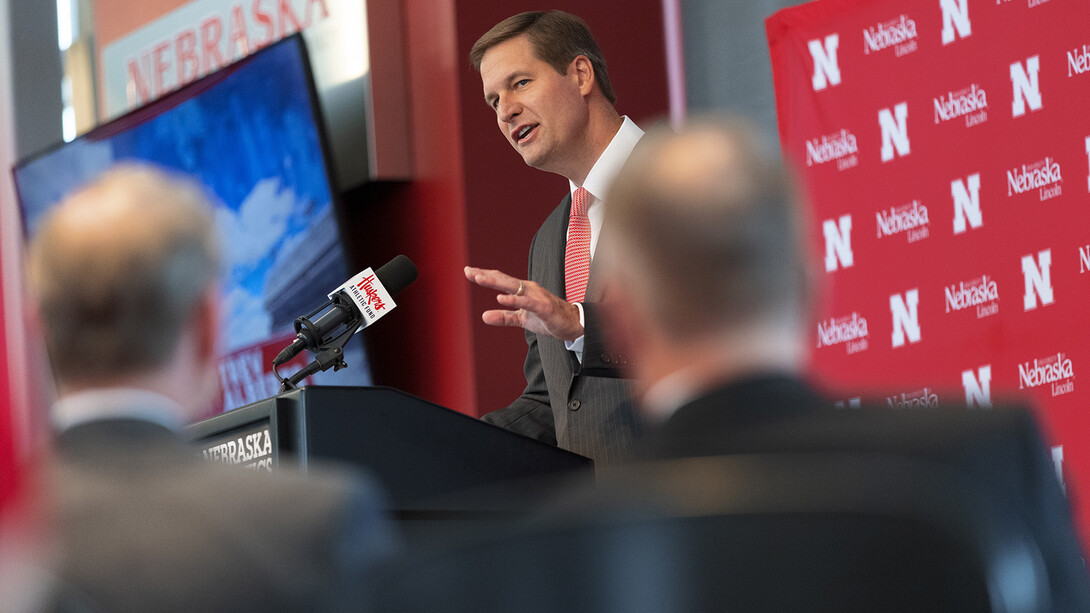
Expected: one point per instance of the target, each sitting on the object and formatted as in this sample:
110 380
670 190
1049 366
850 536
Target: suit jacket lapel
553 278
596 286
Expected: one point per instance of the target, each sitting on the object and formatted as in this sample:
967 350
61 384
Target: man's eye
522 82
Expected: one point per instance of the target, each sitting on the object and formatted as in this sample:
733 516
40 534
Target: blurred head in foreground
124 274
705 259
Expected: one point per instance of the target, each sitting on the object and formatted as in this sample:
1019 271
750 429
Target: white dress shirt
598 180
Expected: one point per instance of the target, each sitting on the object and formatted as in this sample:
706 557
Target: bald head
704 233
117 271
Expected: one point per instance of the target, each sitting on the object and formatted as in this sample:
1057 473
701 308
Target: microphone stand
326 356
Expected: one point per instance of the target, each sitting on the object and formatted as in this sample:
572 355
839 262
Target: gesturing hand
529 305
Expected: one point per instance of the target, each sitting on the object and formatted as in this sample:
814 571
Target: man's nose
507 109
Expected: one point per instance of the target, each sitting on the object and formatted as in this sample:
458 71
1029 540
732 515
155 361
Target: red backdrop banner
944 146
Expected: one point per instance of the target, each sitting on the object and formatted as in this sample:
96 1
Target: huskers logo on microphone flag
370 296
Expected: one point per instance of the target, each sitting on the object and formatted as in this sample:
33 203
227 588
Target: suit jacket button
573 405
606 358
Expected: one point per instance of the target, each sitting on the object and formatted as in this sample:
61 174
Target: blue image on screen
251 135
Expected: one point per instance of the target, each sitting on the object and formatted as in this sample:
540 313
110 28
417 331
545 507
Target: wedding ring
521 289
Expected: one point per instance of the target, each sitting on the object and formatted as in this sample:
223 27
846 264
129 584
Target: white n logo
978 387
955 15
966 202
906 320
1026 86
1038 279
894 131
826 69
838 242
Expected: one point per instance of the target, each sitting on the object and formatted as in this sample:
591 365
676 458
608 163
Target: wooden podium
423 453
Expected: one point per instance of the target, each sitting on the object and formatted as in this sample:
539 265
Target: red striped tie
577 253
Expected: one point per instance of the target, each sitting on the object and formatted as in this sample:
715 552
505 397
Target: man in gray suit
124 276
545 77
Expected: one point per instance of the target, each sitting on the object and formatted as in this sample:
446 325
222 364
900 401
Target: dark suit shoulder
556 224
289 541
769 413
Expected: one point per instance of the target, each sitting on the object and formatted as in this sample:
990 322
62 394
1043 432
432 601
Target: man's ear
624 329
32 317
206 322
583 71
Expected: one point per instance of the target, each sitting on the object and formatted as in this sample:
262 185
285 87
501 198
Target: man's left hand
536 309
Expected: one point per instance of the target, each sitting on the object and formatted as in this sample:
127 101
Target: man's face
540 111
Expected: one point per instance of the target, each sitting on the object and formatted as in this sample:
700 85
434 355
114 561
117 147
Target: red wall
8 416
473 200
425 348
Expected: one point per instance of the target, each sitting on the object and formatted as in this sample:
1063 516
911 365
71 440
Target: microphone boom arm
326 357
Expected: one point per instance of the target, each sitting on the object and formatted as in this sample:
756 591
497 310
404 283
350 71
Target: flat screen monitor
252 135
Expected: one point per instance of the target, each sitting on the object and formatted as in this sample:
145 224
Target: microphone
358 303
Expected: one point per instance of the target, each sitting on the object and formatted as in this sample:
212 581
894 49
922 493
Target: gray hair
706 229
118 269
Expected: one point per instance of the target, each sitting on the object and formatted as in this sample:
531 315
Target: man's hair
557 39
118 269
707 229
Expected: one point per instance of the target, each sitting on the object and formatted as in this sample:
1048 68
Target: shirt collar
116 403
607 166
669 394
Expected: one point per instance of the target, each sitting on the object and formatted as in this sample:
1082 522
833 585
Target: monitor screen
252 135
